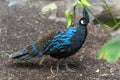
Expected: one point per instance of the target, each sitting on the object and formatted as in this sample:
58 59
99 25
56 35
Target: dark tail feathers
21 54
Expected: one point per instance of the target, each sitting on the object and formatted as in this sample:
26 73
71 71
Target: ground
22 25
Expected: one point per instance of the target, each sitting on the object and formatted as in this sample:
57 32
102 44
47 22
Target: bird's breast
79 38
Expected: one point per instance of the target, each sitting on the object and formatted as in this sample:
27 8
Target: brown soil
22 25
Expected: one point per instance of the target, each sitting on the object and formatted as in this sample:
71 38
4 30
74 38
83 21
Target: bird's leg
67 68
51 70
57 68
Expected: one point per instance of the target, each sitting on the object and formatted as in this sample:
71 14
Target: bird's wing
34 48
61 40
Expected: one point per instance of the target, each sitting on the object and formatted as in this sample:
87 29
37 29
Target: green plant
68 19
110 51
67 13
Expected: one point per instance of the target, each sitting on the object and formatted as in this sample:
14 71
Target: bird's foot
68 69
52 70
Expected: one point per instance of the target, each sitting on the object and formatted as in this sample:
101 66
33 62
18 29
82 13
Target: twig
115 21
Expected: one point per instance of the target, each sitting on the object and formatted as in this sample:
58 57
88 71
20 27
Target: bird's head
85 19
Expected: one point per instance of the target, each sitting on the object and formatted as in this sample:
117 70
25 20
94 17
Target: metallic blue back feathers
61 44
61 40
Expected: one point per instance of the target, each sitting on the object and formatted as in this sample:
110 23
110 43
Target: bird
59 45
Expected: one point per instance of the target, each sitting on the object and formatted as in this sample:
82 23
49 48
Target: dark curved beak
85 13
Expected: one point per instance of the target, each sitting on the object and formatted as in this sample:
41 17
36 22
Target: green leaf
68 19
111 50
111 23
84 3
